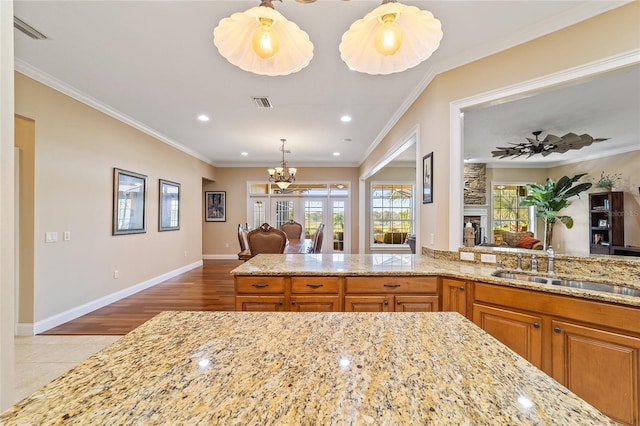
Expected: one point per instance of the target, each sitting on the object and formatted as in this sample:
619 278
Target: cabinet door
521 332
315 303
260 303
454 296
416 304
368 303
601 367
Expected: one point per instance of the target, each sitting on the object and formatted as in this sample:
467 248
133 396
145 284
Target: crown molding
64 88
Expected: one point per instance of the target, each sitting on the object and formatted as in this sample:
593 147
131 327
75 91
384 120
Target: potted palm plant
550 198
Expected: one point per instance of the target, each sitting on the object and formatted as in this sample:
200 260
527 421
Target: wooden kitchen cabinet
308 303
260 303
522 332
591 347
600 367
391 294
454 296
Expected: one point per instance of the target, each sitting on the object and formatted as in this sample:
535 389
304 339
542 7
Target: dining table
297 245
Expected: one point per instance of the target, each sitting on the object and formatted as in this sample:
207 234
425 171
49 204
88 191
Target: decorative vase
548 234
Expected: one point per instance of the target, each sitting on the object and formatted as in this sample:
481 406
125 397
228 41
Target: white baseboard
26 329
219 256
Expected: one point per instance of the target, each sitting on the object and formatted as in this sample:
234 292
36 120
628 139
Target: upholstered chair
244 253
316 247
266 239
293 229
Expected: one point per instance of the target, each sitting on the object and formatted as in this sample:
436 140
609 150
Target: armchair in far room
523 239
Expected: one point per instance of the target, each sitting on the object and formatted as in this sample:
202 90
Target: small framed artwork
169 206
129 198
215 206
427 175
602 223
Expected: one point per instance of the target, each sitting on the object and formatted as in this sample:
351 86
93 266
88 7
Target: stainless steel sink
586 285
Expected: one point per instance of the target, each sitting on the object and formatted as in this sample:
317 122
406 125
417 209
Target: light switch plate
465 255
66 235
488 258
51 237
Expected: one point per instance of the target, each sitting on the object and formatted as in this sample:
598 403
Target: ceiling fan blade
570 138
600 139
552 139
534 142
586 139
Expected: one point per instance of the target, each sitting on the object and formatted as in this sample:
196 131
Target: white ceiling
153 64
605 106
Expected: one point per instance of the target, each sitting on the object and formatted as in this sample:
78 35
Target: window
391 212
508 215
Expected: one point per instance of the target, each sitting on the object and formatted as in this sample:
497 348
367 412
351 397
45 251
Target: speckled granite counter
408 264
316 368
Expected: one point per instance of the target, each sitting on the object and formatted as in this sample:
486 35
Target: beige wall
76 149
7 267
576 239
608 34
234 181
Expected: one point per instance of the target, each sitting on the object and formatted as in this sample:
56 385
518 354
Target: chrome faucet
534 263
519 265
551 257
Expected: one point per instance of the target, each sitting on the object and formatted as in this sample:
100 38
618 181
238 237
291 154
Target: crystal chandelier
283 176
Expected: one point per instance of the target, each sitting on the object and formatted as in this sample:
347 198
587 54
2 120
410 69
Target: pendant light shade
391 38
262 41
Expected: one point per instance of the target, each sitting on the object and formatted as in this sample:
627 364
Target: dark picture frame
129 202
168 205
427 178
215 206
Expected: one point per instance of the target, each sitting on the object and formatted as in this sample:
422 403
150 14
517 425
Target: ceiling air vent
262 102
27 29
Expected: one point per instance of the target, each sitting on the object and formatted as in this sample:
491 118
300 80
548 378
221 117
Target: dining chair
316 247
293 229
266 239
245 253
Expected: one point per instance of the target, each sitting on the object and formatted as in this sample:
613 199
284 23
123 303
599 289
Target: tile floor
40 359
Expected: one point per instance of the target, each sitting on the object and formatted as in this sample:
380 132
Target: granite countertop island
420 265
314 368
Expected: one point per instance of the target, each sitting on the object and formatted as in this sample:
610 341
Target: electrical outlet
66 235
488 258
116 274
432 238
51 237
185 253
465 255
226 245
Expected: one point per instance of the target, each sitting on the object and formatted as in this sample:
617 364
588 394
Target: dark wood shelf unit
606 221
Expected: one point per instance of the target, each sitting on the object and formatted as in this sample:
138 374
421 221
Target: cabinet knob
293 302
556 329
536 325
461 288
280 303
398 303
386 302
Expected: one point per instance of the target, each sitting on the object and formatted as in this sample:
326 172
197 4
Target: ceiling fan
549 145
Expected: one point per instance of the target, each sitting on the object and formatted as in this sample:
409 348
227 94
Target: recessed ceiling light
244 153
203 117
345 119
335 154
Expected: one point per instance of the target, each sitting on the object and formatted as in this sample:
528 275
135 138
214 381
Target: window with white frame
392 212
507 213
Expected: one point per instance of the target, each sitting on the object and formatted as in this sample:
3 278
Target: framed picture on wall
169 206
427 176
215 206
129 199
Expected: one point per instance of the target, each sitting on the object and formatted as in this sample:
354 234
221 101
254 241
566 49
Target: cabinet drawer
260 285
315 284
391 284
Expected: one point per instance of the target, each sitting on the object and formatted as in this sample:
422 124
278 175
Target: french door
310 212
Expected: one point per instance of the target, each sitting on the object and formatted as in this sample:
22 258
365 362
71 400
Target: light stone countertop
258 368
411 264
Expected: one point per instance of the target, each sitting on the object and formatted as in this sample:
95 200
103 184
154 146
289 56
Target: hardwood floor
208 288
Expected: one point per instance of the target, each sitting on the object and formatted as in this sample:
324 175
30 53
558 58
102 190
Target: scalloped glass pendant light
262 41
391 38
